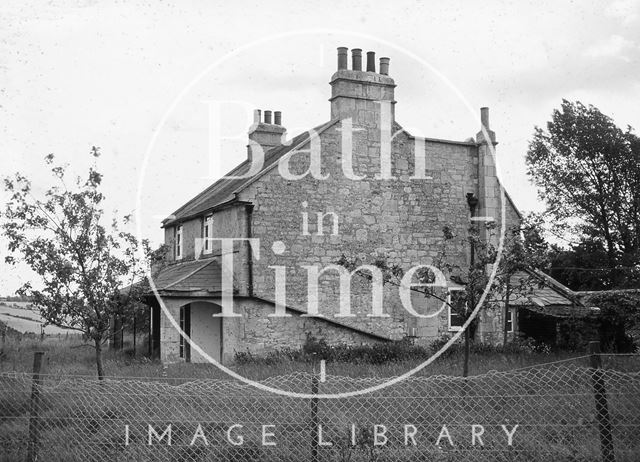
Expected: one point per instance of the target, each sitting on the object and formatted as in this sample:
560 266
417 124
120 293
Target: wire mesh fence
550 412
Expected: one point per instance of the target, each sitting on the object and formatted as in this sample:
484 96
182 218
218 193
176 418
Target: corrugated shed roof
545 291
549 297
222 191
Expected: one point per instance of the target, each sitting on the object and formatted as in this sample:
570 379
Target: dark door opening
185 325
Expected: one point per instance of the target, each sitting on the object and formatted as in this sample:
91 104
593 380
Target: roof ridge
319 129
224 182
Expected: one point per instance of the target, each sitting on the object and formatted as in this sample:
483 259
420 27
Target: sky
139 79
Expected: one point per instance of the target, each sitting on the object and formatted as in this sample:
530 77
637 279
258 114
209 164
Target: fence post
602 406
314 418
32 454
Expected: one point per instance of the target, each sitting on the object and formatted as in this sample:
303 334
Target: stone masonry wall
400 218
255 331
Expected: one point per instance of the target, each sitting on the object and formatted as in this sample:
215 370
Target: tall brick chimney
265 133
360 94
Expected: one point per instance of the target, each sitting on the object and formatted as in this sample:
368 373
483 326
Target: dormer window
207 233
179 243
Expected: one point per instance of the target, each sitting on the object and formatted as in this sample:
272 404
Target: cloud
613 46
626 10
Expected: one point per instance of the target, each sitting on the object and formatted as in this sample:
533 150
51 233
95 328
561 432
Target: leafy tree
619 317
83 264
588 172
523 249
581 267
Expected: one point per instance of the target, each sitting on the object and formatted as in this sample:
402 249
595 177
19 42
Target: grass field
69 355
21 316
83 419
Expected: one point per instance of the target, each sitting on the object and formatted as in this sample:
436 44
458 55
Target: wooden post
150 334
314 418
134 334
32 454
602 406
4 337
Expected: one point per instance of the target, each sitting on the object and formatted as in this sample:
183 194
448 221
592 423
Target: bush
315 349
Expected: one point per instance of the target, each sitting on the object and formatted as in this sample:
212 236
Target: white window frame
179 250
511 313
207 229
449 326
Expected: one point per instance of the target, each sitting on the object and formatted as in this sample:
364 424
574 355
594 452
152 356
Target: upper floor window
207 233
457 301
178 242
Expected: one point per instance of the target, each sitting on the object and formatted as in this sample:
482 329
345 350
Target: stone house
370 189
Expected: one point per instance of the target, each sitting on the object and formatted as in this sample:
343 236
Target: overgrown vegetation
68 355
382 353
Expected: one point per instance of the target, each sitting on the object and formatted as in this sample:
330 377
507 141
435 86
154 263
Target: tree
588 172
83 265
523 249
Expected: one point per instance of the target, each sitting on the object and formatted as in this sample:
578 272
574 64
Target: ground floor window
457 306
510 318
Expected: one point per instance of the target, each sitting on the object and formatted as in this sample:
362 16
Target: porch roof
190 276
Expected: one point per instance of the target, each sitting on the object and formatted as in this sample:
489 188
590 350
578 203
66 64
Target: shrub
315 349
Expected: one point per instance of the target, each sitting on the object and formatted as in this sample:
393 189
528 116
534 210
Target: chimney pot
356 59
384 66
267 117
256 116
484 117
342 57
371 61
277 118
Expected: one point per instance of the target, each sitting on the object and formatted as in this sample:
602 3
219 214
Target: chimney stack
371 61
384 66
356 59
365 97
266 134
484 123
484 117
342 57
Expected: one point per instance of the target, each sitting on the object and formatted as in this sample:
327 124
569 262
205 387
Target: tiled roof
198 275
222 191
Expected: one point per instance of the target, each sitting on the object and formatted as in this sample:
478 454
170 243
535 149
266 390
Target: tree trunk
134 334
505 333
99 365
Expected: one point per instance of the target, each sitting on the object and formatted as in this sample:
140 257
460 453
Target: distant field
18 316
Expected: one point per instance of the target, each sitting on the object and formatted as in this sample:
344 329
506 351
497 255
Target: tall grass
70 355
